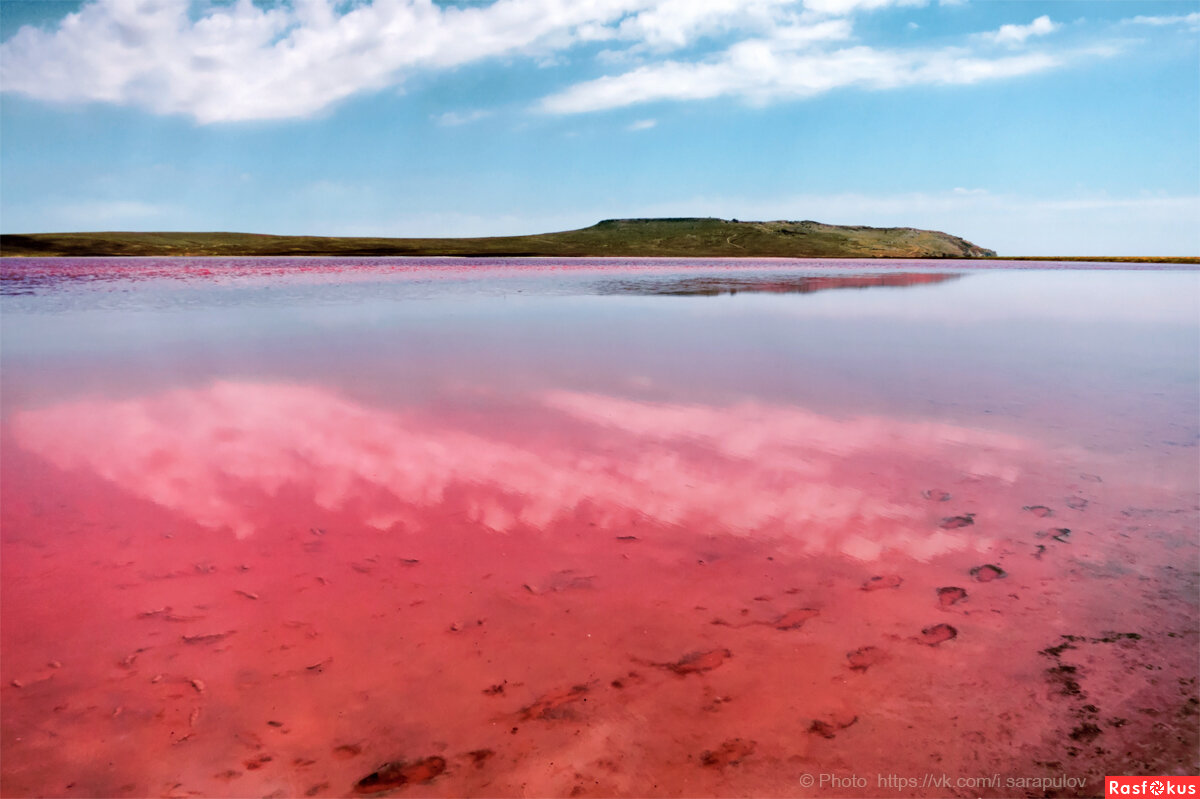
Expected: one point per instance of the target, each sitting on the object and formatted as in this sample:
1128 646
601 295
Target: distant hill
686 237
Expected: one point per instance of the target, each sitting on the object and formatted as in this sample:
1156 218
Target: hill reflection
714 285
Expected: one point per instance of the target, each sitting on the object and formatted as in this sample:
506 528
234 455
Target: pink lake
287 527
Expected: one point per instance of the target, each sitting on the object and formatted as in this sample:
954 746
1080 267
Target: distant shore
619 238
630 238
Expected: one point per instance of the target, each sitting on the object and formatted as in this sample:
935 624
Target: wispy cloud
780 68
642 124
1192 21
453 118
844 7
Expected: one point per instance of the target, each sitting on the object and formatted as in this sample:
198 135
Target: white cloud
242 61
1190 20
1017 34
674 23
642 124
784 67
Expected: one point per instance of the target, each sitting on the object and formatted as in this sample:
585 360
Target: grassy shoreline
683 237
622 238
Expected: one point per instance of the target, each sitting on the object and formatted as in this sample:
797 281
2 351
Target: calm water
438 527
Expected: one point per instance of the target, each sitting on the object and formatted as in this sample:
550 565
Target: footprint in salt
831 725
955 522
1059 534
1041 511
865 657
938 633
950 595
987 572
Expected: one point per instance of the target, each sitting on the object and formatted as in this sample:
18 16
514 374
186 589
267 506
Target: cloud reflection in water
829 484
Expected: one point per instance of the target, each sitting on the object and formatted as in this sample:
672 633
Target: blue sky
1067 127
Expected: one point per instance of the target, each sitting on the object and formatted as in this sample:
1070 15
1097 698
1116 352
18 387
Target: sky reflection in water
745 468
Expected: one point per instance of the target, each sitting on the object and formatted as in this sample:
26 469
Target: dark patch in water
794 619
1056 651
1076 503
1066 678
1041 511
880 581
955 522
480 756
730 753
697 662
936 495
555 705
209 638
566 580
257 763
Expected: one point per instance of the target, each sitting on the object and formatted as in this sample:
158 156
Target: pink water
304 527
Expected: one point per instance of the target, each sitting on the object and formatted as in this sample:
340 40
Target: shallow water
600 527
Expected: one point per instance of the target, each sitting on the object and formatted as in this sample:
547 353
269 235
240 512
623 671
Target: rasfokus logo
1151 786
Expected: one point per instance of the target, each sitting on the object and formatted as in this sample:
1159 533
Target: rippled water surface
443 527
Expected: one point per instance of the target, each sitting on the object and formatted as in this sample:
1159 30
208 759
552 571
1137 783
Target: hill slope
688 237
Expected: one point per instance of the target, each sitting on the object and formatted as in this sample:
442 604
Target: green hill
688 237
